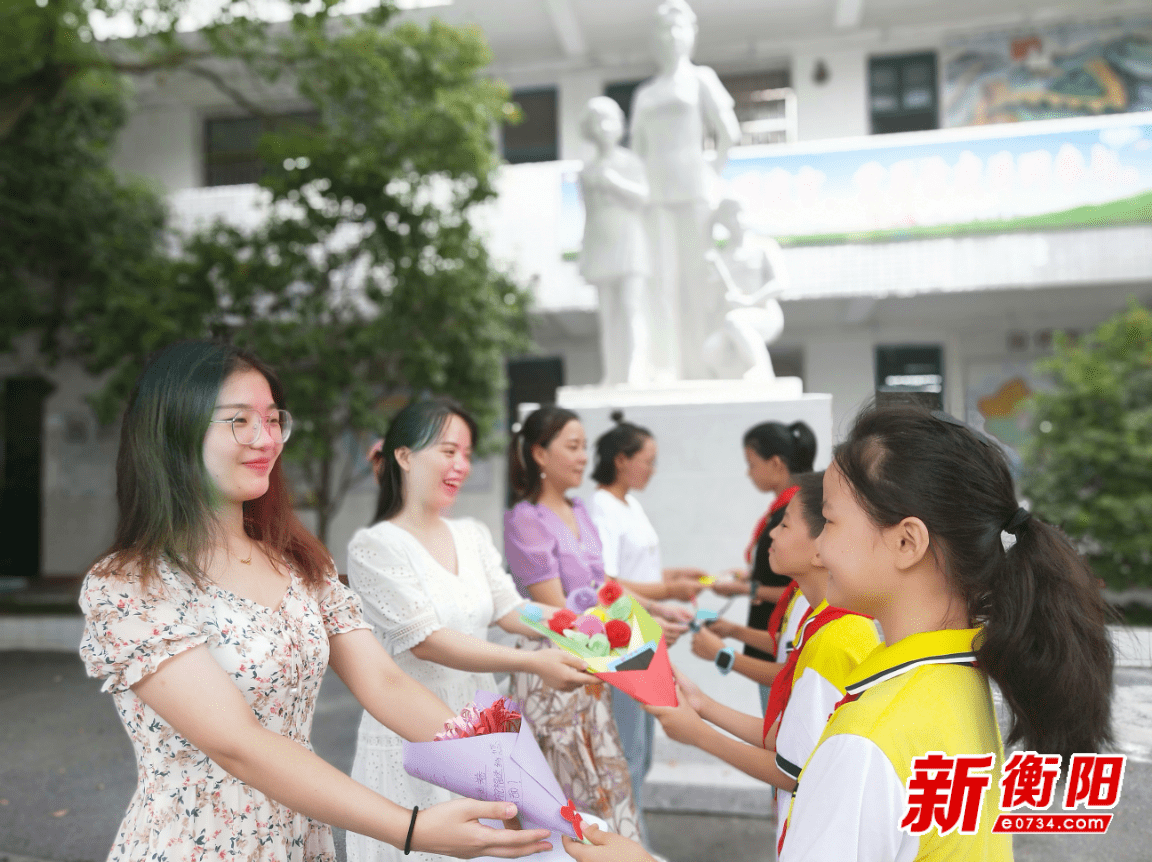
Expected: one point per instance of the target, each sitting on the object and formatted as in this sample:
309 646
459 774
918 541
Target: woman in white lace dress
431 588
212 620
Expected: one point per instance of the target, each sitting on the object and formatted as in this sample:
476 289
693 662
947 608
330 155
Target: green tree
71 231
366 283
1089 466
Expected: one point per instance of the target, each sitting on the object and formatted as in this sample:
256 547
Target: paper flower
635 661
581 599
609 593
535 613
589 625
569 813
598 645
618 633
620 609
502 716
561 620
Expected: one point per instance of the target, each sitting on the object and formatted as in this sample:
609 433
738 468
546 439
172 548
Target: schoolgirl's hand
730 588
605 847
681 722
671 630
671 613
706 643
683 590
689 691
454 829
722 628
561 670
689 574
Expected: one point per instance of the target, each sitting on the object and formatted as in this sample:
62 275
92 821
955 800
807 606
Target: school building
953 184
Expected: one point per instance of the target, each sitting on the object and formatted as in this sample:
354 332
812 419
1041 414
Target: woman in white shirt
625 462
431 588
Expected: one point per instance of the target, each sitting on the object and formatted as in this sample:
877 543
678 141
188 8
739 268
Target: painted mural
1088 171
996 402
1072 70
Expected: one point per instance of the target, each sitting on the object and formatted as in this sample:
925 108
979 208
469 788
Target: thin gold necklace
251 551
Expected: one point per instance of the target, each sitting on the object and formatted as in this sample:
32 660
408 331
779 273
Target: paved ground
67 772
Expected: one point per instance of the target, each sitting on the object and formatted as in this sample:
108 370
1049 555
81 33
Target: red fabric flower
609 593
619 633
561 620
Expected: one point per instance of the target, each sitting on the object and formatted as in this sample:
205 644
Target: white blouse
631 546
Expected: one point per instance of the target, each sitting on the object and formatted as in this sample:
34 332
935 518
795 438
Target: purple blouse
539 546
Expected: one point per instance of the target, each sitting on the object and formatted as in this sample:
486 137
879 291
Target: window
535 138
787 361
765 106
902 93
230 155
910 373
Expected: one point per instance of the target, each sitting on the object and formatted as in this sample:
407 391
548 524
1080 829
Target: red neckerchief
782 685
777 619
779 503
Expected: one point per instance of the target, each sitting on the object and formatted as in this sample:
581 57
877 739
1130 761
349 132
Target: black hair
810 492
1044 639
417 426
795 444
623 439
538 429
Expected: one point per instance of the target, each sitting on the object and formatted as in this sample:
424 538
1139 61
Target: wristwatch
725 659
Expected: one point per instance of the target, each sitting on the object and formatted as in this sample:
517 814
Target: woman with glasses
212 619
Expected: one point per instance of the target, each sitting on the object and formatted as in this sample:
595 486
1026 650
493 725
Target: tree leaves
1089 466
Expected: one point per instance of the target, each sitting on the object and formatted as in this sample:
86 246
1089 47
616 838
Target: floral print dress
186 807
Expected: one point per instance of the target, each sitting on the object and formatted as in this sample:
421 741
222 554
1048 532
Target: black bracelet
411 829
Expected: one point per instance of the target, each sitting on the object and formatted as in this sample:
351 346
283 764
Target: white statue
671 115
753 274
615 253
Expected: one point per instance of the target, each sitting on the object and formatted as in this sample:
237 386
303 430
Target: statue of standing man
671 115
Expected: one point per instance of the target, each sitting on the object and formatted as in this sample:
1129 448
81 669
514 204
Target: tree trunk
323 501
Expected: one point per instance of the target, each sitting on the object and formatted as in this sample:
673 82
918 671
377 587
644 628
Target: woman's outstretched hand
561 670
453 829
605 847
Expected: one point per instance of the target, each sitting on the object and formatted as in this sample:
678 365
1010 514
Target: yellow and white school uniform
921 694
827 657
786 638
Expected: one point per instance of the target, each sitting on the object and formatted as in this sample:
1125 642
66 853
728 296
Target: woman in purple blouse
552 548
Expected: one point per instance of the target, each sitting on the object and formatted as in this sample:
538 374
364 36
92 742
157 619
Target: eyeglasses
246 425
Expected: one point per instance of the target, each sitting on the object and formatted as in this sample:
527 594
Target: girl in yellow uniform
829 644
924 533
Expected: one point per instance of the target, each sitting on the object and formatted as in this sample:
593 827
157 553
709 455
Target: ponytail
538 429
1044 639
1046 645
794 444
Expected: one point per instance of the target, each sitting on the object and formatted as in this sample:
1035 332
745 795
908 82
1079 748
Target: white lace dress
408 595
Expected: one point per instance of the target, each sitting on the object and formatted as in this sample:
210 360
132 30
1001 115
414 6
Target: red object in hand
609 593
569 813
561 620
619 633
